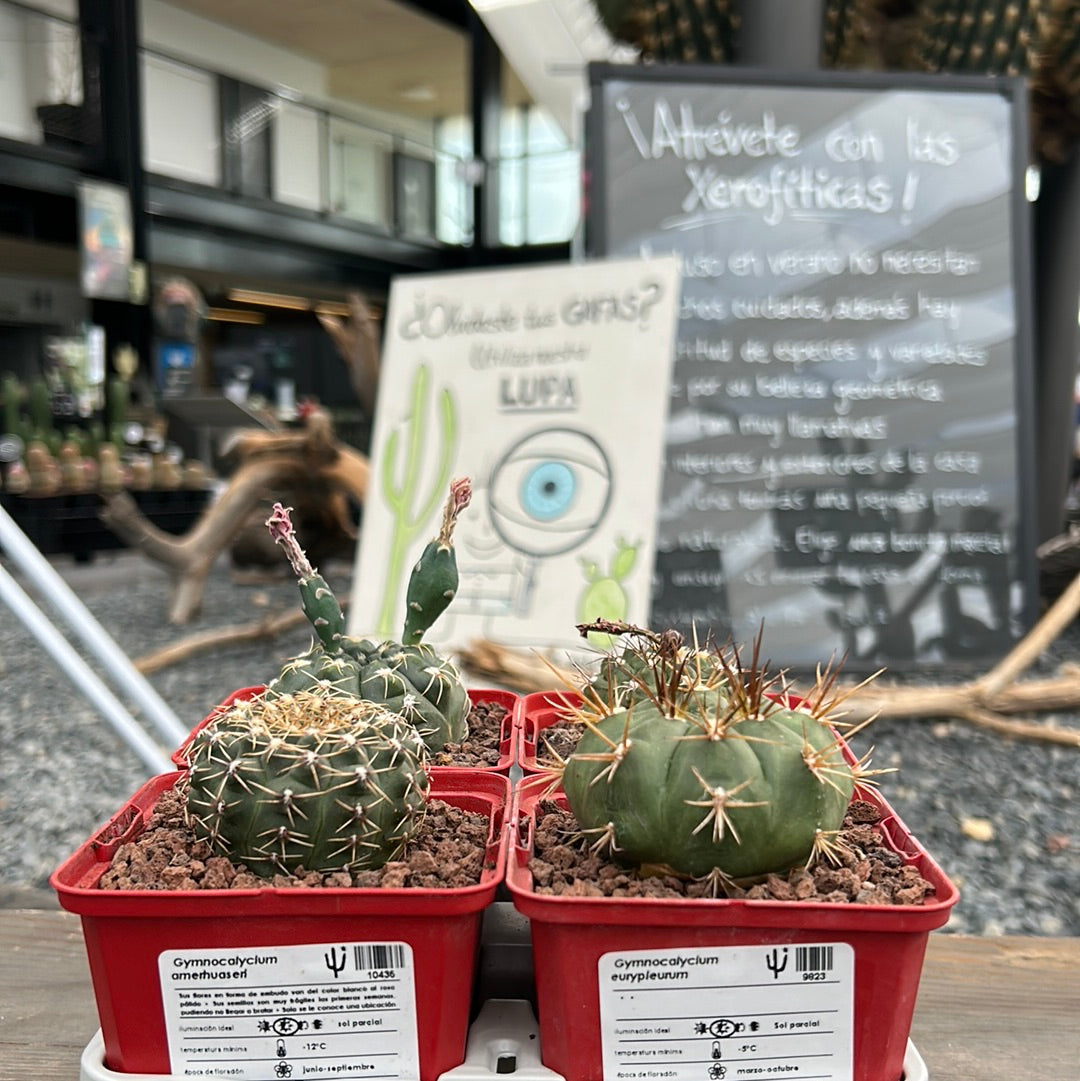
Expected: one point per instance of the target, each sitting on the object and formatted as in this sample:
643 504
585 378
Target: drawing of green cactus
401 481
604 597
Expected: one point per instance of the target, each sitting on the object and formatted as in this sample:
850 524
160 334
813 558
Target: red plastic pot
539 710
236 982
508 736
640 988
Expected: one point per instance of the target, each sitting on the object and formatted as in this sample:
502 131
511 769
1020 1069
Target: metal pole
41 574
80 673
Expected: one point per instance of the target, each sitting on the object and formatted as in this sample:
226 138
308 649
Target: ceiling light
418 93
332 307
231 315
269 300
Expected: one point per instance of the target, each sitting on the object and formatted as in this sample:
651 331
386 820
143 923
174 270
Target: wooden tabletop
989 1009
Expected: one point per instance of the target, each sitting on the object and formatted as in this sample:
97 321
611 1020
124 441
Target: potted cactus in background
713 838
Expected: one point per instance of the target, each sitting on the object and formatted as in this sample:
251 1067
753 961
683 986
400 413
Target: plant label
323 1010
728 1012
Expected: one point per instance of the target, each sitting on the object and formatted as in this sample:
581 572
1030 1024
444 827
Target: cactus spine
408 677
699 771
306 781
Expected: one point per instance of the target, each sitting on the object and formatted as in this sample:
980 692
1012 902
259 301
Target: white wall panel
297 156
16 112
180 122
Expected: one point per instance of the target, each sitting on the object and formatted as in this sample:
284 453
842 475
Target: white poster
548 387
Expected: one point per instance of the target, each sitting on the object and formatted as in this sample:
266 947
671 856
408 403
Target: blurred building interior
275 157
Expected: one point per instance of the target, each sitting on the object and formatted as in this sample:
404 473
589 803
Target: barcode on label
813 958
382 956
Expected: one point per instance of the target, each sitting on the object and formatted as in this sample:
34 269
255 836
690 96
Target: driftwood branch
276 462
1056 618
518 669
265 629
986 702
357 342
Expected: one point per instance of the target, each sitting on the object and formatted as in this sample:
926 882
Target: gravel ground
63 771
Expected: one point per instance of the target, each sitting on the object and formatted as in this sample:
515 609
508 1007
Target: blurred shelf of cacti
55 471
70 523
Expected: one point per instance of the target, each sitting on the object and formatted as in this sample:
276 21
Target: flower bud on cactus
305 780
434 580
408 677
701 772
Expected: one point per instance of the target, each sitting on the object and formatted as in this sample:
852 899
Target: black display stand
849 443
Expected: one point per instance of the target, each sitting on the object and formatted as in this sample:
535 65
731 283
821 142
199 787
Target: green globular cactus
408 677
306 781
13 393
702 772
41 417
117 395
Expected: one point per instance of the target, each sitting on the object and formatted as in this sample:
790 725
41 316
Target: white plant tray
504 1033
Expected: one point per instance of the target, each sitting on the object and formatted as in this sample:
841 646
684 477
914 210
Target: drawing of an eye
550 491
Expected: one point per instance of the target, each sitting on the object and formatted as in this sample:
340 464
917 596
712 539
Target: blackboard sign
847 451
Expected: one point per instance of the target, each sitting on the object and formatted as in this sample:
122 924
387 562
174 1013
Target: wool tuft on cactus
323 783
408 677
695 762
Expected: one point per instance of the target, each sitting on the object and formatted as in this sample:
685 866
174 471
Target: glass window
249 115
545 135
183 143
453 189
539 180
511 180
552 197
360 163
298 155
41 80
414 192
512 133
